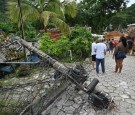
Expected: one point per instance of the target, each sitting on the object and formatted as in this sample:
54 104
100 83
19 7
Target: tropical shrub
53 46
30 35
81 42
8 27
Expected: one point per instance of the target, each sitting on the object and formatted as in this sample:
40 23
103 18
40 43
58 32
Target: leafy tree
2 10
123 18
5 24
3 5
46 11
97 13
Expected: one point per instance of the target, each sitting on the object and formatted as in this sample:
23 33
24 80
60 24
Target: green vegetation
53 47
79 42
5 82
3 17
123 18
97 13
41 15
8 27
52 11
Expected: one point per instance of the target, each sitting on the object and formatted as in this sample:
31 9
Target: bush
8 27
81 42
53 46
30 35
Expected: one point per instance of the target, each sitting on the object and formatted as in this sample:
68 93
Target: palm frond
46 15
28 12
60 24
12 12
71 9
57 7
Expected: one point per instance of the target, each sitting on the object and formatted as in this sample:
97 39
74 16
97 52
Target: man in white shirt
93 53
100 55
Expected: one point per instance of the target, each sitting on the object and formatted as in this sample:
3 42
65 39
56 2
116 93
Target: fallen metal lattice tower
35 96
32 98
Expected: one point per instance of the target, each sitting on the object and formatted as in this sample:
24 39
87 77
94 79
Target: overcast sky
130 2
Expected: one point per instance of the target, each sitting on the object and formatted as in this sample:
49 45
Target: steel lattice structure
34 96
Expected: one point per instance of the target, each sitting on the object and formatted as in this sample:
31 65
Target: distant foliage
123 18
97 13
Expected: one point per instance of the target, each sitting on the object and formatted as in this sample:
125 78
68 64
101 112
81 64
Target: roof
113 34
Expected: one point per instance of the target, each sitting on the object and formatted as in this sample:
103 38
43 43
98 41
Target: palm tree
47 11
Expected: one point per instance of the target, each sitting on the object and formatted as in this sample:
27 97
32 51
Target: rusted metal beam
54 63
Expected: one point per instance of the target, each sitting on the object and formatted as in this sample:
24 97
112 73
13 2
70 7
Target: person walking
93 53
111 46
100 55
120 53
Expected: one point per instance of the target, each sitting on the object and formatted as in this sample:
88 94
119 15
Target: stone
131 101
125 96
125 104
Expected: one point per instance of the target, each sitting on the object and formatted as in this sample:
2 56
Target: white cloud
130 3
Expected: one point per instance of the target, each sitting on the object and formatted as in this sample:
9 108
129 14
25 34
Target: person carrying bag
120 53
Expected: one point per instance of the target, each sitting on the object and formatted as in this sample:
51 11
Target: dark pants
98 61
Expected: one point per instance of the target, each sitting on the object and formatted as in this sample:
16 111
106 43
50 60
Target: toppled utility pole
55 64
99 99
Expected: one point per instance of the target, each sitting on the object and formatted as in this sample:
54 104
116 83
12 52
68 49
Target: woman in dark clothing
120 48
111 46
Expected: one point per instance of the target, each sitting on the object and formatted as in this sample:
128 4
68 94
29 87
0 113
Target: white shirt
100 49
93 48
